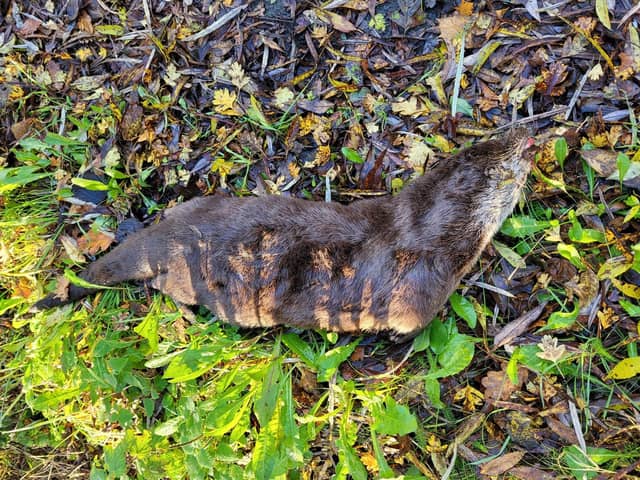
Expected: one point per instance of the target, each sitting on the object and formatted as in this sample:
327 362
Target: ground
112 111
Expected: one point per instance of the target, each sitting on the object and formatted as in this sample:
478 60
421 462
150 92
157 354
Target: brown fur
382 264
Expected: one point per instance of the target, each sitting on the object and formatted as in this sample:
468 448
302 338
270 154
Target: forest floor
112 111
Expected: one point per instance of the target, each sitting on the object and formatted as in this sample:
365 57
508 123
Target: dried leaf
550 350
501 464
451 27
224 102
94 242
237 75
71 248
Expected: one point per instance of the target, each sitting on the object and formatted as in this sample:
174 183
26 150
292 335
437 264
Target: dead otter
375 265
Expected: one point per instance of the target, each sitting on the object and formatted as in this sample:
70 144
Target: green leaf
349 464
509 255
89 184
602 10
583 235
464 309
438 335
12 178
464 107
169 427
300 348
585 466
115 458
422 341
523 226
192 363
571 253
432 389
80 282
623 163
113 30
393 419
269 396
561 151
456 356
148 329
632 309
351 155
329 362
561 320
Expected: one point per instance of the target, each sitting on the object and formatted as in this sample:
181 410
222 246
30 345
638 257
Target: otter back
374 265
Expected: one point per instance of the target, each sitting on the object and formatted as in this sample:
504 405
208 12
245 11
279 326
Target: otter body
374 265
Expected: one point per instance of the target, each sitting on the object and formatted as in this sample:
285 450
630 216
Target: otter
384 264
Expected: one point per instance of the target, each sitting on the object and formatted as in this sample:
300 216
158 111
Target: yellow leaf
16 93
614 267
471 396
441 143
465 8
83 53
627 368
224 102
222 166
628 289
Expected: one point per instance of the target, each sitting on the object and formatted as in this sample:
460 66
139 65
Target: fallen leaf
498 386
501 464
471 398
451 27
224 102
237 75
94 242
550 350
531 473
70 246
627 368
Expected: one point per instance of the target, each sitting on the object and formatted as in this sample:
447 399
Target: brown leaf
563 431
498 386
95 242
22 128
531 473
513 329
450 27
84 22
337 21
29 27
501 464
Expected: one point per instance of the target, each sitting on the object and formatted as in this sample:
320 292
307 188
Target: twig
533 118
227 17
575 96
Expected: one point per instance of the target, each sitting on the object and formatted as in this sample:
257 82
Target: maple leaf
95 242
237 75
224 102
283 98
83 54
471 397
550 350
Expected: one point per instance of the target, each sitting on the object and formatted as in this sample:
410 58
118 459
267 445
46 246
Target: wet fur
374 265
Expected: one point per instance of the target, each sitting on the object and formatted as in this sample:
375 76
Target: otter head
504 163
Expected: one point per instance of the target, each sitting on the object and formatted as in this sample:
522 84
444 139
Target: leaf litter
113 111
